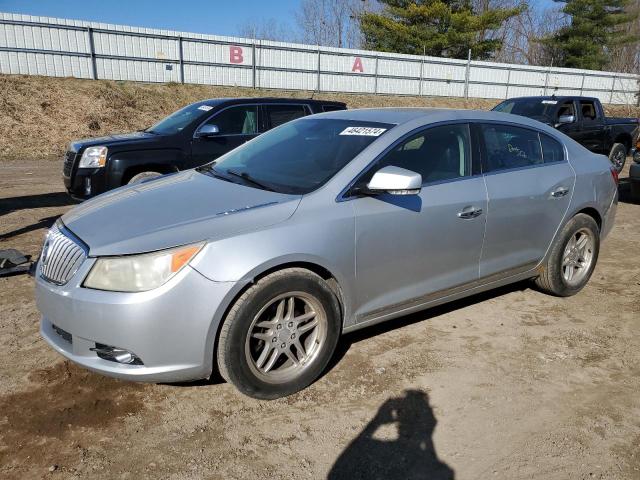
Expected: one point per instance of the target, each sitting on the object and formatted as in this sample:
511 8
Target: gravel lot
511 384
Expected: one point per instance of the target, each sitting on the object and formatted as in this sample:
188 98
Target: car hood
110 140
174 210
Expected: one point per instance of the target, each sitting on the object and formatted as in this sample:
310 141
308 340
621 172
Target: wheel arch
625 139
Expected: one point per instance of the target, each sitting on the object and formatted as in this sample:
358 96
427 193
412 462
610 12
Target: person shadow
381 451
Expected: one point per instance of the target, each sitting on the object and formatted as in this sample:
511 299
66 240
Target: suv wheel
279 335
618 156
142 176
572 258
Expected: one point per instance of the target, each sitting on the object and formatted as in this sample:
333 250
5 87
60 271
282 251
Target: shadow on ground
396 443
55 199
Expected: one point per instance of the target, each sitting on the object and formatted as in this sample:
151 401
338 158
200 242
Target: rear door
237 124
529 186
592 127
277 114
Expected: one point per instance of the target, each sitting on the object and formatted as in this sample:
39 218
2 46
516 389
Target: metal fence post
318 76
546 77
92 52
467 74
181 59
253 64
613 84
424 54
375 80
506 93
582 84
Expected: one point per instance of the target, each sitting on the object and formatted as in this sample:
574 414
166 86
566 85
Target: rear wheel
618 156
279 335
572 258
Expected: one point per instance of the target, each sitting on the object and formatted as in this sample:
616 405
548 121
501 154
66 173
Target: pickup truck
583 119
194 135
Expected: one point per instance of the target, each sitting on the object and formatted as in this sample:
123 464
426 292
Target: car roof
398 116
213 102
559 98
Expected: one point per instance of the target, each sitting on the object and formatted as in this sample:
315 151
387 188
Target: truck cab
190 137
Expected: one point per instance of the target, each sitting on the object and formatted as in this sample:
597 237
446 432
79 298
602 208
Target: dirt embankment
39 116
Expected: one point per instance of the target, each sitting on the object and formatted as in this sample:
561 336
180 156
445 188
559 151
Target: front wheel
279 335
572 258
143 176
618 156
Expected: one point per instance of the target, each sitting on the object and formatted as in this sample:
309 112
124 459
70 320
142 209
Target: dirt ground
511 384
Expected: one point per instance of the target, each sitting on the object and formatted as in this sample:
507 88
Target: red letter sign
235 55
357 66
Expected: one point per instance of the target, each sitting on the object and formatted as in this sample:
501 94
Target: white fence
59 47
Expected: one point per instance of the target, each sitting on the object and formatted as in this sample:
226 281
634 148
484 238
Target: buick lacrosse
253 265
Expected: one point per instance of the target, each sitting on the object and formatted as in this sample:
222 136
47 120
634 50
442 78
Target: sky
217 17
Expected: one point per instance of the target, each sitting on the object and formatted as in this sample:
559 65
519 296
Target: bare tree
266 29
332 23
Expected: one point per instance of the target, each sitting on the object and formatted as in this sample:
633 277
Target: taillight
614 174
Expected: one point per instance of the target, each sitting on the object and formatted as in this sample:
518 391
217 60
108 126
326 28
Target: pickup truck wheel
572 258
279 335
618 156
143 176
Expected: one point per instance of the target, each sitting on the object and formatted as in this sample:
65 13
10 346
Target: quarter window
438 153
279 114
510 147
552 150
240 120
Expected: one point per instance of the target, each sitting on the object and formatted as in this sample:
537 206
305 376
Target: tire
259 326
634 186
142 176
566 270
618 156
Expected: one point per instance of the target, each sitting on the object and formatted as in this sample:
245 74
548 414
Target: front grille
67 166
61 257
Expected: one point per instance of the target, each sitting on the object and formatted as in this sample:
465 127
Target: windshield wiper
248 178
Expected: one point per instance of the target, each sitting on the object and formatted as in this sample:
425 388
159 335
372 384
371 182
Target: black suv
197 134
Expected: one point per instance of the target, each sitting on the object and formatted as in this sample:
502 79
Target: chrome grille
61 257
67 166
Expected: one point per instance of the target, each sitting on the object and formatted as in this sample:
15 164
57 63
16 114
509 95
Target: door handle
559 192
470 212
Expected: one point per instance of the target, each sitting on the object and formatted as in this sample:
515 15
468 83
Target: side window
552 150
510 147
566 109
438 153
240 120
279 114
588 109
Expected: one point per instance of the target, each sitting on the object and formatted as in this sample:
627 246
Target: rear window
509 147
332 108
279 114
528 107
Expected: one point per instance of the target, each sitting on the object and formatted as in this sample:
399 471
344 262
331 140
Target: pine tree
441 28
594 29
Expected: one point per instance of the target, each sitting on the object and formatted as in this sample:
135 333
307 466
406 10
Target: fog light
87 186
114 354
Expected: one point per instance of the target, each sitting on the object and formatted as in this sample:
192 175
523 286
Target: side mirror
566 119
396 181
208 131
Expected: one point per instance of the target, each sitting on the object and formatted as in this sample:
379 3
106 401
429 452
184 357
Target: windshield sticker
363 131
550 102
206 108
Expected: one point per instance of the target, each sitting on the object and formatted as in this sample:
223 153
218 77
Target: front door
529 184
410 248
236 125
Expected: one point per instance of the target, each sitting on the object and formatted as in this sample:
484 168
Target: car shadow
349 339
624 192
54 199
396 443
42 223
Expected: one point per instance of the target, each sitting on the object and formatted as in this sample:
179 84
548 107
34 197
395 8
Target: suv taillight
614 174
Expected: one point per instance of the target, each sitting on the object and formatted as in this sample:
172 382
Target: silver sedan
254 265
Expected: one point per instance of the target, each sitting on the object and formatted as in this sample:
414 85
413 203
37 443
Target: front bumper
171 329
86 183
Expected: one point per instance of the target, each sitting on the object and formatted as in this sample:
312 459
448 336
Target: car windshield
528 107
177 121
297 157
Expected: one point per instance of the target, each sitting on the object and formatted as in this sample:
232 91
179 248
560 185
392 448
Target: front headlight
139 273
94 157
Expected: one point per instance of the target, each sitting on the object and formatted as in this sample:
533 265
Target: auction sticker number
364 131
